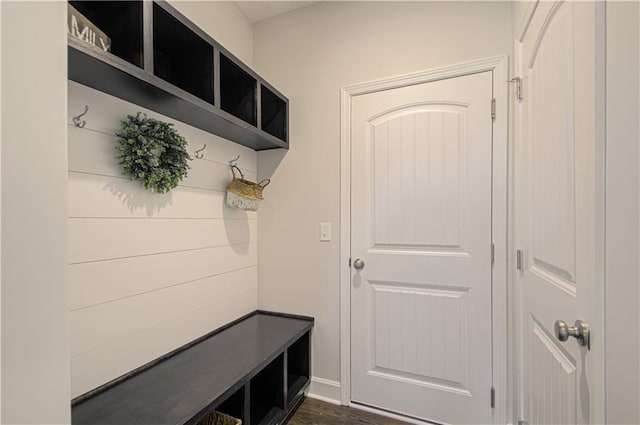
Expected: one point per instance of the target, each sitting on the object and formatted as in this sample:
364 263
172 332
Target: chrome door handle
579 331
358 264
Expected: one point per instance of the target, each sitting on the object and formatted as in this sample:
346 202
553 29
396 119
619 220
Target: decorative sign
80 27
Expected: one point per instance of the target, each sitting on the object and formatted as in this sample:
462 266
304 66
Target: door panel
421 222
411 343
418 177
554 398
552 180
558 199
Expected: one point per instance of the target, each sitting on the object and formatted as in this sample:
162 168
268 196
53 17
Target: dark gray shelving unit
162 61
255 369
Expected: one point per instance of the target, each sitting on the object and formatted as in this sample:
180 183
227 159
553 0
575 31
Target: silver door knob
579 331
358 264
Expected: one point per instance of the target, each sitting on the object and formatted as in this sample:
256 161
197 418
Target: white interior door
559 227
421 228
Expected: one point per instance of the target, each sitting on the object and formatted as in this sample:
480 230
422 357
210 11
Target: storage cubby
237 91
273 113
298 366
234 405
181 57
121 21
267 393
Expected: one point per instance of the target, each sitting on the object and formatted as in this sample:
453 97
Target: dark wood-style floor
316 412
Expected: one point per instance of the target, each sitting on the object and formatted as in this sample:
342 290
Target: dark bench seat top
178 388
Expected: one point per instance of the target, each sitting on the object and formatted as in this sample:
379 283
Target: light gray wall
310 54
35 347
622 214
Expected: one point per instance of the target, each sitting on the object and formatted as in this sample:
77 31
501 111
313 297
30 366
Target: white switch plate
325 232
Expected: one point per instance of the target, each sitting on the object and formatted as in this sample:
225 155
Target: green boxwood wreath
153 152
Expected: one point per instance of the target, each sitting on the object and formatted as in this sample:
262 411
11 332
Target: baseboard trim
391 415
325 390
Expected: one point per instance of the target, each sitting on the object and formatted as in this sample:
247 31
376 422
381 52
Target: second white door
421 182
559 228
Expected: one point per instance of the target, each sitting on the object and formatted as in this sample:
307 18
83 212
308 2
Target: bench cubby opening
267 393
298 367
234 405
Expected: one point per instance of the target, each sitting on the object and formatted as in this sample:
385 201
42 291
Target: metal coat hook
233 161
77 121
198 153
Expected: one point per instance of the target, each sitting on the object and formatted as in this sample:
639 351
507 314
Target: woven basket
217 418
244 194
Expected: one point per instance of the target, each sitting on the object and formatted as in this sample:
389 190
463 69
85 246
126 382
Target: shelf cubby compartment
237 91
181 57
298 366
267 393
121 21
273 113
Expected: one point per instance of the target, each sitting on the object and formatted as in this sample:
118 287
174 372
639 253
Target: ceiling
258 11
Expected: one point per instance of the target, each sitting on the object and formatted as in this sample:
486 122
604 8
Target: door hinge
493 109
493 254
518 82
493 397
519 259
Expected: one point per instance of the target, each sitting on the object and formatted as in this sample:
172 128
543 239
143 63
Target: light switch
325 232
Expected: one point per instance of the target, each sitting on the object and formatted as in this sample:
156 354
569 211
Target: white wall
150 272
622 213
223 21
35 349
309 55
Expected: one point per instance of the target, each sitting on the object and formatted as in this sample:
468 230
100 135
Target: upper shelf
160 60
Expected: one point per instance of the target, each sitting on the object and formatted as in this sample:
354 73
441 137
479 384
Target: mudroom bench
255 369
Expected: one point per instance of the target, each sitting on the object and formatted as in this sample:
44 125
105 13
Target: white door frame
502 379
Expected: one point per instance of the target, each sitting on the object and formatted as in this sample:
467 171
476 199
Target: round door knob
358 264
562 330
580 331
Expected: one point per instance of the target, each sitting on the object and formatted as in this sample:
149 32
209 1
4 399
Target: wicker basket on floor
217 418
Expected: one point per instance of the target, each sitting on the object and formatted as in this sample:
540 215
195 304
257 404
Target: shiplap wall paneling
129 353
149 272
94 283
